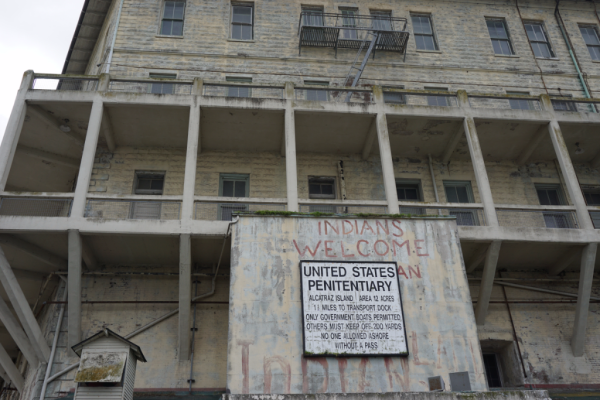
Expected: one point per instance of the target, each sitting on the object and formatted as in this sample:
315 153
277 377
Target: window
237 91
461 192
322 187
162 88
233 185
409 190
499 36
592 198
440 101
520 104
348 20
590 36
242 21
492 370
382 20
423 30
394 98
539 40
172 20
312 16
147 183
316 94
563 105
552 195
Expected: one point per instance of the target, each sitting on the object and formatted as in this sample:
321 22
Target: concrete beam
4 375
595 163
91 262
108 131
34 251
191 158
11 370
535 141
564 261
52 157
18 335
291 171
74 288
23 310
369 140
477 258
185 295
43 115
487 282
452 144
586 274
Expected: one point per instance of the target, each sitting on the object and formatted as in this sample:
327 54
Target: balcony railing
224 208
121 209
559 217
505 102
60 82
53 205
242 90
343 207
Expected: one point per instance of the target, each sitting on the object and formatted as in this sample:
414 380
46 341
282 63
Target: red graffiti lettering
268 376
417 272
367 226
401 272
394 244
323 362
387 248
333 227
343 252
415 350
302 252
319 228
386 229
344 222
328 249
356 225
342 365
358 248
420 248
245 362
397 226
403 380
362 381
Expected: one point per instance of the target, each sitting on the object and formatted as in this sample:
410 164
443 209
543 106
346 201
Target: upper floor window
150 182
394 97
423 30
239 91
382 20
242 21
172 20
162 88
439 101
590 36
552 195
539 40
520 104
409 190
461 192
316 94
312 16
349 21
233 185
563 105
499 36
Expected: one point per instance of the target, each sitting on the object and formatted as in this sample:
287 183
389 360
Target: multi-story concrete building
120 178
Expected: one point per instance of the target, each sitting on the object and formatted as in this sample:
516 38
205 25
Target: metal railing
420 98
559 219
224 211
116 209
333 94
35 207
465 216
505 102
151 86
241 90
343 209
65 83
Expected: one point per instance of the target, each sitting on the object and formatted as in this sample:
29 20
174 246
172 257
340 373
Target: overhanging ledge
500 395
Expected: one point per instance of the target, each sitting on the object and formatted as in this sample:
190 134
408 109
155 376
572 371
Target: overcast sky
34 34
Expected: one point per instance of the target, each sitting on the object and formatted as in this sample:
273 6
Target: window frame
552 186
161 75
162 18
570 106
323 196
547 42
316 92
236 178
316 10
508 36
436 98
498 367
402 96
594 28
512 102
349 34
251 24
466 184
240 79
146 192
411 182
432 35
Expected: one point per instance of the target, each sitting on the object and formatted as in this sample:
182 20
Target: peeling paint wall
265 325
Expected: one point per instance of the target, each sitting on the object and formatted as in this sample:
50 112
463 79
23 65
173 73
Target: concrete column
74 288
483 183
16 332
23 309
11 370
185 295
104 83
487 282
87 159
13 129
586 274
191 158
197 87
568 172
291 171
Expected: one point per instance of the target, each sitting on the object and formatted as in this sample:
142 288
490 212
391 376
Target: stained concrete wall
265 322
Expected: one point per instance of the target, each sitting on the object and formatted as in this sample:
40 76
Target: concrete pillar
568 172
87 159
191 158
13 129
23 309
74 288
483 183
291 171
11 370
104 83
185 295
586 274
487 282
16 332
197 87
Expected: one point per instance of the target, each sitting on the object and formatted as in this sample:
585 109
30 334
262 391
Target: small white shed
107 367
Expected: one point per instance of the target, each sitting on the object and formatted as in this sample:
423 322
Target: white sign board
352 309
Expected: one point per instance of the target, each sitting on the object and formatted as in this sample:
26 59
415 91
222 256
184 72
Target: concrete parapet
501 394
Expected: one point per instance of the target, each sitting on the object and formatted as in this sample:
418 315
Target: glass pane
505 47
382 22
178 10
401 193
316 95
411 194
394 98
451 195
553 197
157 184
227 188
535 32
461 192
497 30
437 101
421 25
246 32
420 42
243 92
313 17
242 14
240 189
594 52
167 88
497 46
177 29
590 35
314 188
541 50
429 43
166 27
144 183
491 370
236 31
327 188
169 9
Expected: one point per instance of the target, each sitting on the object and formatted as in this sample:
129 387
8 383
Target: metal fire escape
365 33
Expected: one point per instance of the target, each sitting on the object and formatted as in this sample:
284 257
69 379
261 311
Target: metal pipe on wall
534 289
114 39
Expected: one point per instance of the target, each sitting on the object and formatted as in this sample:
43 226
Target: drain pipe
114 38
194 329
54 345
568 42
